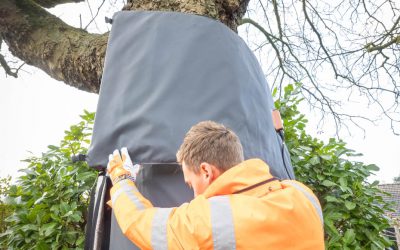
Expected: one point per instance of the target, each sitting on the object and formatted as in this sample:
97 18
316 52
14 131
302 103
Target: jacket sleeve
160 228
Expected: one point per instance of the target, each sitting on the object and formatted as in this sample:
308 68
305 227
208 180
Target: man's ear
209 172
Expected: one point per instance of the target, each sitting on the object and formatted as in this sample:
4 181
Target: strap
96 207
123 177
256 185
89 225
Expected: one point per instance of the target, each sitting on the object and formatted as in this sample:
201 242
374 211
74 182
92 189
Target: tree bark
75 56
228 12
40 39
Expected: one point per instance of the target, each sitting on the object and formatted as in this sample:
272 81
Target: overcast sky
36 110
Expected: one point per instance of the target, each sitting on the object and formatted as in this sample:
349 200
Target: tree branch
73 55
53 3
94 16
7 68
318 36
278 20
43 40
371 47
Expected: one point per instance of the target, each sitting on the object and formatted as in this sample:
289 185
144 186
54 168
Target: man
237 204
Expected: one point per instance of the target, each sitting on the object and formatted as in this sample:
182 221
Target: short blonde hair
210 142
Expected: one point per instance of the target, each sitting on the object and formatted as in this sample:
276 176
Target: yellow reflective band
223 231
128 190
159 239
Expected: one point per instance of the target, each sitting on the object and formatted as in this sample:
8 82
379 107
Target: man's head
208 150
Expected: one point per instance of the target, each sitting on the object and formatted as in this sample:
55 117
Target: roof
394 190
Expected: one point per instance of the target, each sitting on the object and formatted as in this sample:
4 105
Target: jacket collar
239 177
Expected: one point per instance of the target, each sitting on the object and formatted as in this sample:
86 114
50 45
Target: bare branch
7 68
97 13
371 47
266 34
278 20
311 37
321 43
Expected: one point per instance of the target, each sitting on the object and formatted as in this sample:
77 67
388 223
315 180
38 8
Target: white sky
35 111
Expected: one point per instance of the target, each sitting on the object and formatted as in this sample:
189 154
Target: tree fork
228 12
75 56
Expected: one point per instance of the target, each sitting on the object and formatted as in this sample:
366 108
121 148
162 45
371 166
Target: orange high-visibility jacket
244 208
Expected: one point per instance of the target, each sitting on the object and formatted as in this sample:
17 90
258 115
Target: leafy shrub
353 208
51 198
5 210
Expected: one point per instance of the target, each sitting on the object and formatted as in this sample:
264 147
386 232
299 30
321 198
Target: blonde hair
210 142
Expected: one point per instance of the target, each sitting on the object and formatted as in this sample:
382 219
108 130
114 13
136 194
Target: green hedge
5 210
51 197
50 200
353 208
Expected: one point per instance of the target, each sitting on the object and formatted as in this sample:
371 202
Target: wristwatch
123 177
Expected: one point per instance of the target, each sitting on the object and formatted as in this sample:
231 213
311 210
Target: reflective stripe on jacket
244 208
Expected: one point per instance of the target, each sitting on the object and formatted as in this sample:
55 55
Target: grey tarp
163 73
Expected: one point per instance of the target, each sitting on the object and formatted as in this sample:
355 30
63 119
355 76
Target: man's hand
120 166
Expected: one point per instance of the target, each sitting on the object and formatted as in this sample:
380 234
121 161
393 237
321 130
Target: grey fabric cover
165 72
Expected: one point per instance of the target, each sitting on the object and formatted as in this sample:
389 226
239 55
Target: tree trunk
75 56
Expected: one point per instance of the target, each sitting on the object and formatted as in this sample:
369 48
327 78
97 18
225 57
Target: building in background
394 232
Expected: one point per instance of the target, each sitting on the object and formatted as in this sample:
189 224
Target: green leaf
328 183
52 147
372 167
80 240
49 228
288 89
350 205
75 217
305 148
8 232
41 198
375 183
69 213
331 199
29 227
349 236
379 244
343 182
274 91
314 160
326 157
85 176
333 215
12 201
331 228
41 245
